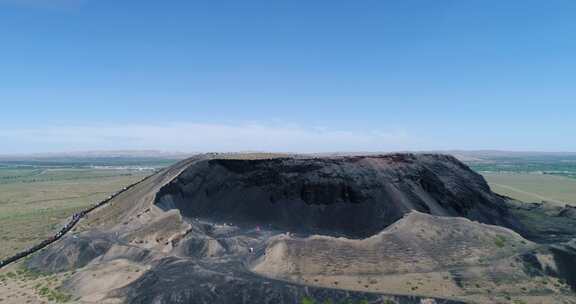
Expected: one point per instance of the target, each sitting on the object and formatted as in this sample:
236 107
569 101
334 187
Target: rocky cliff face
350 196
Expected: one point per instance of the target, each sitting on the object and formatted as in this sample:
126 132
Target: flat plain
531 187
35 201
529 177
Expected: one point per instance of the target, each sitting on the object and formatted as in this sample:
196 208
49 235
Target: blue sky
303 76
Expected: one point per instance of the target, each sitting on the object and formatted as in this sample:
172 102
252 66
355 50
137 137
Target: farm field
35 201
531 187
529 177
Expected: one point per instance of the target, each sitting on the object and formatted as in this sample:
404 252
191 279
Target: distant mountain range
99 154
463 155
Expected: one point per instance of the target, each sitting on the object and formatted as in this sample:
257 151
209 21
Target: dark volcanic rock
175 281
351 196
568 212
545 223
565 257
70 253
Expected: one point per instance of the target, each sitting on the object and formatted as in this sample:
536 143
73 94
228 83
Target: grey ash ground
397 228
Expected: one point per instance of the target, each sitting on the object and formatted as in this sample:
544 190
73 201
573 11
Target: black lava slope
349 196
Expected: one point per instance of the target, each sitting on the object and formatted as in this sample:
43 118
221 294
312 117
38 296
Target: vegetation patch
500 241
53 294
308 300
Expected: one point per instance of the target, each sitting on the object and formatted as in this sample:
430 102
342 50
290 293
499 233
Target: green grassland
530 177
533 187
35 201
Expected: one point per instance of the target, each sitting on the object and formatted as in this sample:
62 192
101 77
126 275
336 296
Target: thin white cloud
200 137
